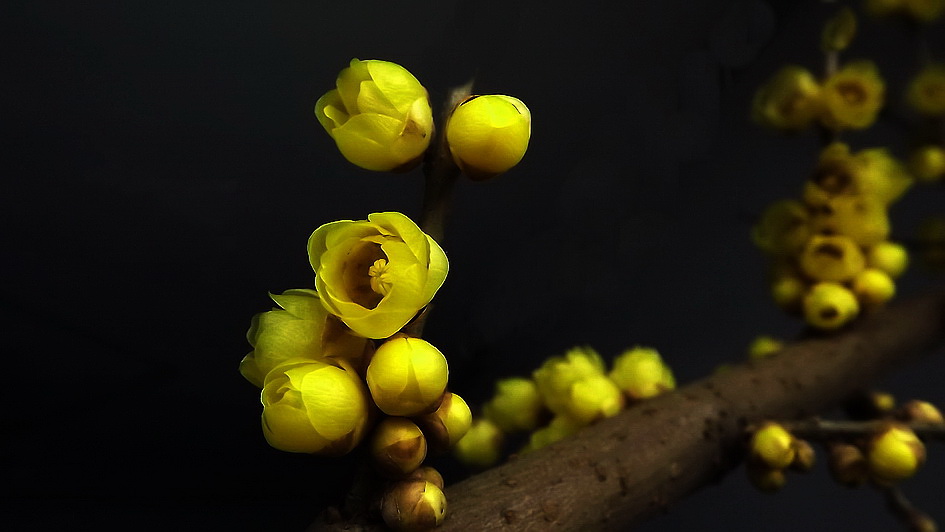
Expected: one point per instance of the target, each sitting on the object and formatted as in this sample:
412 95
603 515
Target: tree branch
625 469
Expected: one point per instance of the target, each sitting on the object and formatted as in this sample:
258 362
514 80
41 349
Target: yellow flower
873 288
928 163
407 376
314 407
481 446
448 424
927 91
763 347
831 258
594 397
871 172
862 219
398 447
488 135
302 328
830 306
772 445
556 378
889 257
515 406
376 274
413 506
894 454
783 228
641 373
559 428
379 116
852 96
789 100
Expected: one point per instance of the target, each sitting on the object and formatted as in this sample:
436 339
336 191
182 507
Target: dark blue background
163 171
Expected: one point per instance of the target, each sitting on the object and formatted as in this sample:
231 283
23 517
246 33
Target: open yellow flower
314 407
852 96
379 116
300 328
376 274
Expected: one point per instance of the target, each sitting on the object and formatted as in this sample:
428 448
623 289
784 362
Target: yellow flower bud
488 135
831 258
928 162
448 423
873 288
788 101
889 257
559 428
847 464
594 397
894 454
829 306
515 406
379 116
852 96
427 474
882 176
407 376
481 447
783 228
300 330
398 447
314 407
788 292
764 478
763 347
772 446
916 411
839 31
862 219
557 376
413 506
376 274
641 373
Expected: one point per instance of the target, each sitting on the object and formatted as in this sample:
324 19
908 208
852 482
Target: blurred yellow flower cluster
380 118
918 10
829 253
926 96
565 394
793 99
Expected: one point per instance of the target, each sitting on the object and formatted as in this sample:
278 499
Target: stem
819 430
914 519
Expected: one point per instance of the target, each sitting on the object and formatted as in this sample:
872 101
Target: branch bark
623 470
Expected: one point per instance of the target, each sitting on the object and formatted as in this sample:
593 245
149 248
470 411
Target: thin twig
820 429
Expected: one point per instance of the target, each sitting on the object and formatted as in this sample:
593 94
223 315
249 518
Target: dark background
163 170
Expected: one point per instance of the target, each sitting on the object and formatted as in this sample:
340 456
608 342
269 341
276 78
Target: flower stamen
380 277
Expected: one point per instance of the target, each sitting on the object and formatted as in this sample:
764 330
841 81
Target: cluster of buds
335 371
772 451
829 251
379 116
565 394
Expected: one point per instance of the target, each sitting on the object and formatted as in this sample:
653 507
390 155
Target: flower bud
928 163
481 446
831 258
847 464
557 376
926 93
559 428
427 474
772 446
788 292
407 376
594 397
804 456
766 479
889 257
763 347
783 228
869 405
379 116
488 135
448 424
413 506
314 407
641 373
788 101
839 31
515 406
852 96
894 454
397 447
916 411
830 306
873 288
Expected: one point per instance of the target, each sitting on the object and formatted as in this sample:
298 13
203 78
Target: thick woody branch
625 469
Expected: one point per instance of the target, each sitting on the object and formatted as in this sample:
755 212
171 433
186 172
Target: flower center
380 277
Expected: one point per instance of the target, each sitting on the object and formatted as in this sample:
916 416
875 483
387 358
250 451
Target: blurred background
164 170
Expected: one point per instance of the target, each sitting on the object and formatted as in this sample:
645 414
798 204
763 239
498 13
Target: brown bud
916 411
427 474
847 464
413 506
397 447
448 424
804 456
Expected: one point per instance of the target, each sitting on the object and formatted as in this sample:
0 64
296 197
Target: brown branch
625 469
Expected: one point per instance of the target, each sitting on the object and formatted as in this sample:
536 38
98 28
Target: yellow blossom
889 257
862 219
926 93
300 328
515 406
559 428
379 116
641 373
398 447
488 135
314 407
830 306
789 100
783 228
764 346
407 376
831 258
448 423
557 376
772 446
894 454
481 446
852 96
870 172
376 274
873 287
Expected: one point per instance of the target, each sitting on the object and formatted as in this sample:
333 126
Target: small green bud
398 447
413 506
448 423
